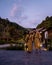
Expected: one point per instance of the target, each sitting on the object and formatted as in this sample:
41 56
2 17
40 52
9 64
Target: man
37 40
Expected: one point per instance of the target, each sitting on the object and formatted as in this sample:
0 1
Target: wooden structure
43 30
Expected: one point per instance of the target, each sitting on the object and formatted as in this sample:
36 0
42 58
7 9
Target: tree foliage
10 30
46 23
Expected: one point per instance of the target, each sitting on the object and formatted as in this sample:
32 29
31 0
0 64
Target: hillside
10 31
46 23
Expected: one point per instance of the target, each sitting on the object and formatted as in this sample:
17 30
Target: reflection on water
28 58
33 58
24 58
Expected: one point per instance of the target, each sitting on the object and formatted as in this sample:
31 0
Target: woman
26 41
29 39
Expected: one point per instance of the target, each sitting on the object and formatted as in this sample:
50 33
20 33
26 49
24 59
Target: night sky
27 13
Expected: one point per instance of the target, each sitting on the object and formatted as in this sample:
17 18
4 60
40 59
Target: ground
8 57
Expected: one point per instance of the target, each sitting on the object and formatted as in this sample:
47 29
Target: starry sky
27 13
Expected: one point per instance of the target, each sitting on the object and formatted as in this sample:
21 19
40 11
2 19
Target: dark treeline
10 31
46 23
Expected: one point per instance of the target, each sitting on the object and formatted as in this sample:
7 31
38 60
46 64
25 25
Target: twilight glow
27 13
